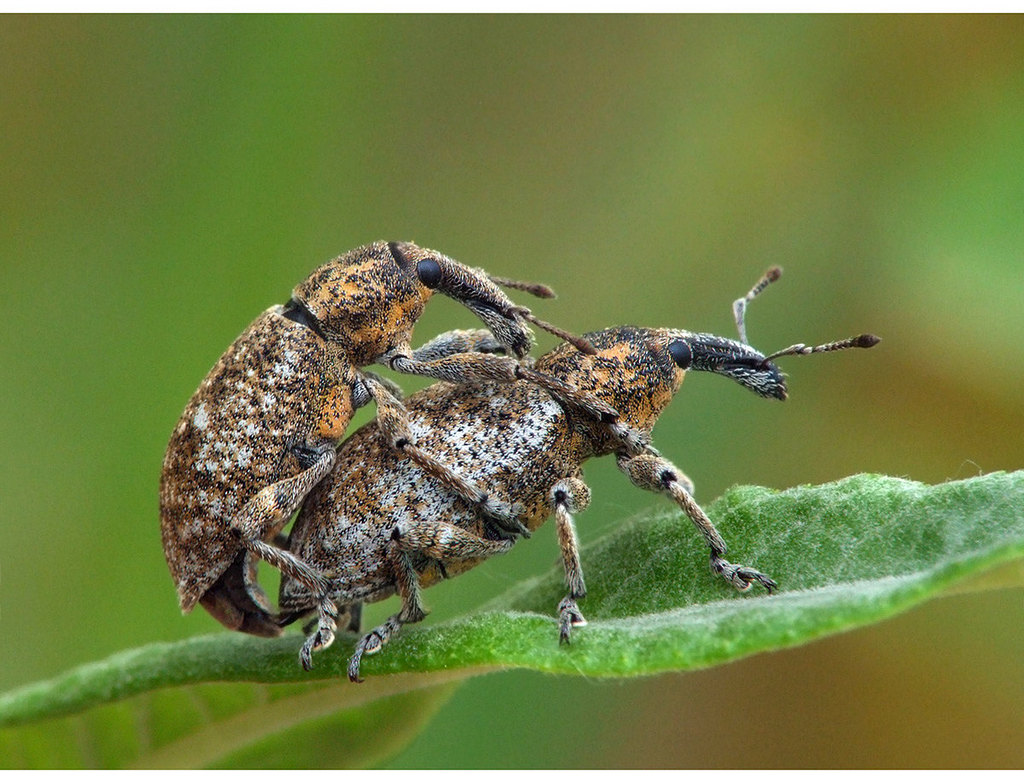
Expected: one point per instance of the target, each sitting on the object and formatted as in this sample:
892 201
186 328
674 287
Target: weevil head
731 358
370 298
638 370
473 288
367 300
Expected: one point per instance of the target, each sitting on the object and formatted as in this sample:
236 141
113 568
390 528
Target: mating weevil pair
262 428
379 524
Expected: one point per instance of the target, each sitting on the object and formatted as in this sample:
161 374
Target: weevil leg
408 587
321 632
571 396
631 441
236 598
484 367
568 496
372 644
651 472
363 396
412 611
455 356
407 584
249 568
270 508
350 616
444 541
392 418
323 637
457 341
456 367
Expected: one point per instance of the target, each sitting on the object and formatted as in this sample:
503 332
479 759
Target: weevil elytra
262 428
383 526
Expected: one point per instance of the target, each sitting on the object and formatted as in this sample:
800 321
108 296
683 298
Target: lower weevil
382 526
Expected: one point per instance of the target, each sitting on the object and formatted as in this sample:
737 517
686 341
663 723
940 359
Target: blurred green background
167 178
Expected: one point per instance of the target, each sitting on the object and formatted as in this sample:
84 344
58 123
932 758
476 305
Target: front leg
457 341
567 496
467 356
652 472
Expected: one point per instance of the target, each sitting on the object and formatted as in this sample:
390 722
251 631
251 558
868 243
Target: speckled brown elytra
262 428
382 525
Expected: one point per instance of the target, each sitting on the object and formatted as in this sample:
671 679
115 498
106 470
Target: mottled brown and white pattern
382 525
261 429
276 388
378 512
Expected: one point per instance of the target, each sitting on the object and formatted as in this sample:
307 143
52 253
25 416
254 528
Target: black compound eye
680 353
429 272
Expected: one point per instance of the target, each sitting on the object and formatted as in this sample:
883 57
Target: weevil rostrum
262 428
381 525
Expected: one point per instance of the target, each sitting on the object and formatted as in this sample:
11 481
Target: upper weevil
381 526
261 429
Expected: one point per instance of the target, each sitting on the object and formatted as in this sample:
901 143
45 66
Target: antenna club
865 340
539 290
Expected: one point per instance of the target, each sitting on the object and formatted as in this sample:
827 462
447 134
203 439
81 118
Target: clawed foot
739 576
321 640
504 517
569 615
327 624
370 644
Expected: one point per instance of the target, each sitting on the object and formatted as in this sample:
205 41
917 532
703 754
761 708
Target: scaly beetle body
383 526
261 429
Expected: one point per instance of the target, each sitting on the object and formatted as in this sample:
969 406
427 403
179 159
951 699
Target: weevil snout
733 359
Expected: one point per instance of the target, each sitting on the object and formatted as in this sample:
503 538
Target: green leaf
238 725
844 554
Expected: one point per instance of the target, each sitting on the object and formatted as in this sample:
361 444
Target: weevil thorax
638 370
367 300
631 370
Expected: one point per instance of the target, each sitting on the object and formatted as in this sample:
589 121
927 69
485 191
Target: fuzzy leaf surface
844 554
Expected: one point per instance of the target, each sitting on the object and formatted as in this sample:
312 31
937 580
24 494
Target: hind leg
443 541
328 613
412 611
235 598
269 509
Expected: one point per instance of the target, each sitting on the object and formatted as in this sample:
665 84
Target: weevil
383 526
262 428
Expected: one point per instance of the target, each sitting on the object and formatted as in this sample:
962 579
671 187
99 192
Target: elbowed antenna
542 291
739 307
739 310
579 343
860 341
479 292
